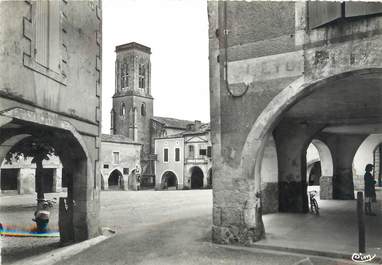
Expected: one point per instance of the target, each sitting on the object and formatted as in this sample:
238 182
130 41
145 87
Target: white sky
177 32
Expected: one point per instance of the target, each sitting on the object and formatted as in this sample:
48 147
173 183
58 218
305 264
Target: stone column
57 179
26 181
269 178
292 140
343 147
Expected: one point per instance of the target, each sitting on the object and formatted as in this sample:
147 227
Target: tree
38 150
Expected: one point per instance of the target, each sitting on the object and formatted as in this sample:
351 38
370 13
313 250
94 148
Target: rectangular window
191 151
125 171
165 155
177 154
141 75
116 157
209 151
105 166
202 152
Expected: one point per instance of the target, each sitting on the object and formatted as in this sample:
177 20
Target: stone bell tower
132 102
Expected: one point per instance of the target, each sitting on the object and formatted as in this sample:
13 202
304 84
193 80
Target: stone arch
325 156
197 177
254 145
71 149
169 179
115 179
364 156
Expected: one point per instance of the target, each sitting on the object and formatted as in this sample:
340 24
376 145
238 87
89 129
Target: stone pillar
125 182
57 179
269 178
292 140
343 147
26 181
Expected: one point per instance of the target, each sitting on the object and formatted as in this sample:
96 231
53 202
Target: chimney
198 124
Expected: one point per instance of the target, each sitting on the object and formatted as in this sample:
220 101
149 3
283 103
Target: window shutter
353 9
209 151
54 35
321 13
41 31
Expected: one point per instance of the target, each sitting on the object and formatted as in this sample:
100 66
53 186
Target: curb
256 247
61 253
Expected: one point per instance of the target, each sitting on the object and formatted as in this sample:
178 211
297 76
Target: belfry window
123 110
142 75
124 75
143 109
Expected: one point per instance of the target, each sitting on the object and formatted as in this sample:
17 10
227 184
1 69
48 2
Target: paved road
169 227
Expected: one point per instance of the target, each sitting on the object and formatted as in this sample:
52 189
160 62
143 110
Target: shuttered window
321 12
177 154
165 155
209 151
47 34
41 40
354 9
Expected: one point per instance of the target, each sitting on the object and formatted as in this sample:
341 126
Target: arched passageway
169 180
305 111
197 177
369 152
314 174
115 180
19 127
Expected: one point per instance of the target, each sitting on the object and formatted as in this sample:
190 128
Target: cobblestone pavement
168 227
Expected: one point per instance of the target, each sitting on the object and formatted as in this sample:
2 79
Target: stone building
50 89
184 159
19 176
285 75
120 162
132 113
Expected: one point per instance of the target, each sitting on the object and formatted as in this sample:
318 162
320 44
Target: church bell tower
132 102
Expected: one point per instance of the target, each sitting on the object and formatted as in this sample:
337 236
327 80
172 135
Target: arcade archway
18 126
197 178
169 180
302 112
115 180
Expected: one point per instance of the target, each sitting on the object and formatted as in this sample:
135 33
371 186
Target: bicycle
313 202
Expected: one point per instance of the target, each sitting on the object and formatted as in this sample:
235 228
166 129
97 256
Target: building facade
120 162
184 159
285 75
19 176
50 89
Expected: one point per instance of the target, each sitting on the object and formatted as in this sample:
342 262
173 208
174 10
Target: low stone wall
359 183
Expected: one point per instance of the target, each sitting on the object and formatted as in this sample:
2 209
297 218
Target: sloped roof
117 138
205 127
172 122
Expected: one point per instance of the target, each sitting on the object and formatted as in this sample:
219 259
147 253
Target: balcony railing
197 160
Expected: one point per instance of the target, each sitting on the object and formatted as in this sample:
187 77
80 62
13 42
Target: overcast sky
177 32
